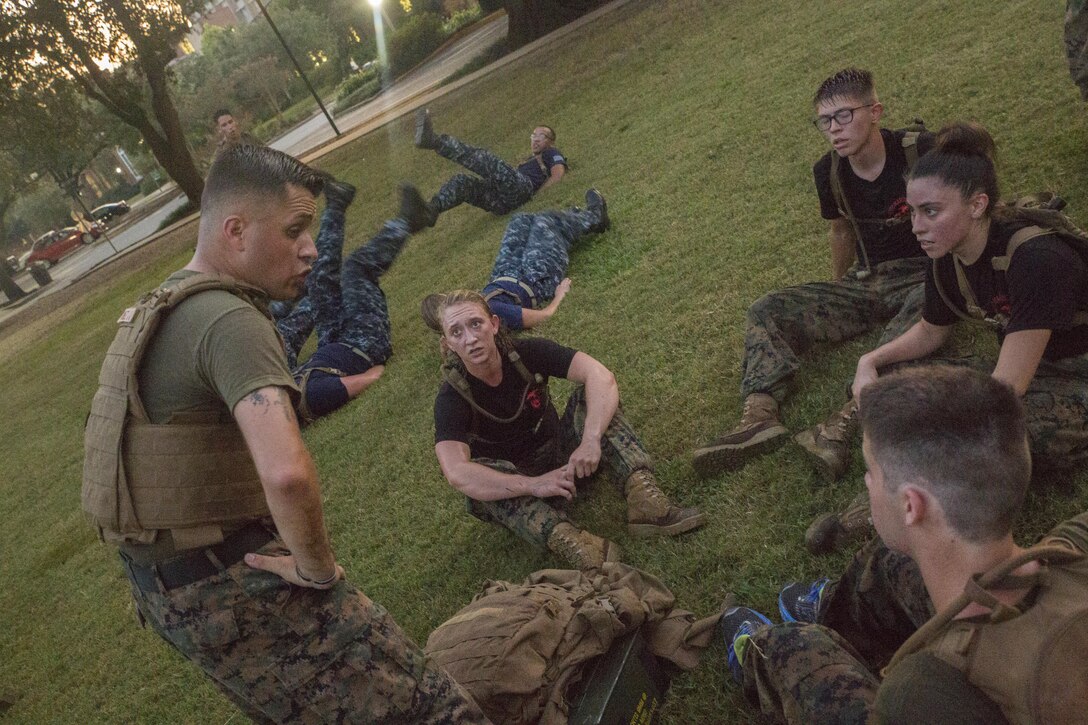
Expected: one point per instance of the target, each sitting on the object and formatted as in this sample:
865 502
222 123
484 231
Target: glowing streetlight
379 36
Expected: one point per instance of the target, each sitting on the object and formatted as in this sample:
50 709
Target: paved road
316 130
297 141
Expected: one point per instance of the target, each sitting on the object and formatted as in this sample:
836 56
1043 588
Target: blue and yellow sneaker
737 625
800 602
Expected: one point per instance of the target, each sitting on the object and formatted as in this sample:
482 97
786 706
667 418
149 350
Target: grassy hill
693 119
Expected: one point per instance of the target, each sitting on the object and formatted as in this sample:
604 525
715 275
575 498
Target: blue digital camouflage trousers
535 248
345 303
533 519
782 325
283 653
498 187
824 672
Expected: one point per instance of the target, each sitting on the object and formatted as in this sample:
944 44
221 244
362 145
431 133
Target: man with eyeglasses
869 221
498 187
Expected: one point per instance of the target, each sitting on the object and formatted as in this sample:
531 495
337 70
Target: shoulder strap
451 373
1001 264
976 591
839 194
910 148
947 299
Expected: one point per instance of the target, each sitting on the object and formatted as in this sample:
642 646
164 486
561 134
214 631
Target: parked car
106 212
52 246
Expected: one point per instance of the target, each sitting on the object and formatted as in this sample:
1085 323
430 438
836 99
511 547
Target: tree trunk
181 166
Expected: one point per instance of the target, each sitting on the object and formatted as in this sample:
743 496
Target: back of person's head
247 172
957 433
962 158
852 83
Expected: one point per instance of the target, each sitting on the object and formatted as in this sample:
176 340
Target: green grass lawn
693 119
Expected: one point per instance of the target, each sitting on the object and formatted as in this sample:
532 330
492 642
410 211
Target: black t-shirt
517 441
880 199
1045 286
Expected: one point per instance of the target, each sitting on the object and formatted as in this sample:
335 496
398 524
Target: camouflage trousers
535 248
824 672
283 653
1076 43
344 302
533 519
498 187
782 325
1055 406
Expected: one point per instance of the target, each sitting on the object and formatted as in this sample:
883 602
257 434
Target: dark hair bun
966 139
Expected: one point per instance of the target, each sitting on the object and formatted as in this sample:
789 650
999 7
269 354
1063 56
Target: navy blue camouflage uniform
533 259
498 187
347 307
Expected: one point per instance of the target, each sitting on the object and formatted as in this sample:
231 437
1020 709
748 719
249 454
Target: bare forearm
296 508
842 251
602 401
919 341
288 477
481 483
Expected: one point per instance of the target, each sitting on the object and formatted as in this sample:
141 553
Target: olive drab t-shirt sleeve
241 353
924 688
209 353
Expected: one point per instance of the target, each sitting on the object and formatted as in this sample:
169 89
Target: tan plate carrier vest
1032 662
189 475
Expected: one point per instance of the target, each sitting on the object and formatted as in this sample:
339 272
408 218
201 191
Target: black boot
425 138
339 194
596 205
413 210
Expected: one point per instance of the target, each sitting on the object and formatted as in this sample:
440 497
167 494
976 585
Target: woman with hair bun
1038 305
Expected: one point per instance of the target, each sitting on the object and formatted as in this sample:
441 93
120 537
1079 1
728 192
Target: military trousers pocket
200 633
368 671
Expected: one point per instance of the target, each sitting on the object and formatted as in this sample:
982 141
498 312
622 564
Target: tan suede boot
832 532
828 444
580 548
649 511
759 431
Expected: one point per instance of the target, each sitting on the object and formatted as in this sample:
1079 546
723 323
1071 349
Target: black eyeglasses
843 116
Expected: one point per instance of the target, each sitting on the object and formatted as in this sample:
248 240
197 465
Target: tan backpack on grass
518 648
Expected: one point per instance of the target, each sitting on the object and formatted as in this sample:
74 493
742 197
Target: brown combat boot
828 444
580 548
758 432
832 532
649 512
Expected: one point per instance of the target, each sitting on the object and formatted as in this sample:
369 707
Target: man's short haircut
957 433
220 113
852 83
246 170
551 131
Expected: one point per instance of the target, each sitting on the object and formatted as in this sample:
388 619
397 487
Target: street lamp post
298 67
